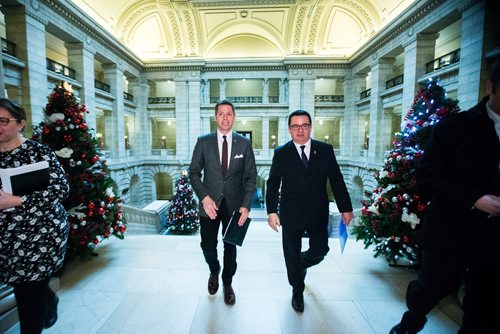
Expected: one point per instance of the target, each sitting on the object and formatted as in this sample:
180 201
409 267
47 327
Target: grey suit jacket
237 187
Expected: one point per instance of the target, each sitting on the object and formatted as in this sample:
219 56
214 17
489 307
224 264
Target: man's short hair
224 102
299 112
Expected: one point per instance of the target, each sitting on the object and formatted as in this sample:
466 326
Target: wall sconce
127 146
320 122
244 122
273 141
169 123
99 139
163 142
327 137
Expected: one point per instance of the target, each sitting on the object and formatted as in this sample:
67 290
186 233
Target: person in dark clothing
297 184
460 169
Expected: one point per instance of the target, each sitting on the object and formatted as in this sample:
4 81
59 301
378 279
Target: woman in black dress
33 227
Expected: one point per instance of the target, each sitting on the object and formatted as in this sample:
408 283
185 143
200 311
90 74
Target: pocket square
238 156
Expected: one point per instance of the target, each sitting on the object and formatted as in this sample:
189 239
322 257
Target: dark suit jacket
238 186
460 164
303 201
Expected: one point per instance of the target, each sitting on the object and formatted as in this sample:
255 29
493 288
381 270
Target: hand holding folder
24 180
234 233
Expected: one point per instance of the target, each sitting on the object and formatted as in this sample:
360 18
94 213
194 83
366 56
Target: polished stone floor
157 284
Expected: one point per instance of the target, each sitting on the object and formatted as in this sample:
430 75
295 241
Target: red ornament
83 126
91 205
95 159
421 207
100 211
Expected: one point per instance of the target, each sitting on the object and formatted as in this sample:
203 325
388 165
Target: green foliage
94 211
183 212
392 214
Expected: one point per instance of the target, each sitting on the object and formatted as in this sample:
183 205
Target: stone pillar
81 59
471 55
349 129
283 135
265 136
222 89
265 91
194 114
26 28
301 95
283 83
380 71
417 53
113 75
142 140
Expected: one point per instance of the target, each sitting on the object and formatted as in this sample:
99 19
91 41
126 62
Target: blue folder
342 236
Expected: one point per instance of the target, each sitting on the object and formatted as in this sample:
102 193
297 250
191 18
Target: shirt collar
229 136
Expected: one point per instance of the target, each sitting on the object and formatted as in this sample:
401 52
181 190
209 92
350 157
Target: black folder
25 179
234 233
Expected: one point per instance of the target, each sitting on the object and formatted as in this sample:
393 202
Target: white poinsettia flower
109 192
410 218
374 209
383 173
64 152
67 87
55 116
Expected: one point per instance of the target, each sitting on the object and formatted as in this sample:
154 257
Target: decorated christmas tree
392 214
183 212
94 210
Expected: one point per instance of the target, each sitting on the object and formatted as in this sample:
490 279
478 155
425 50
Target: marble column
25 26
113 75
265 91
381 70
142 140
471 54
265 136
417 52
81 59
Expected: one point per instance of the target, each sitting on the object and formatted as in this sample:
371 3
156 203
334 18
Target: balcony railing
128 96
396 81
214 99
328 98
163 151
8 47
274 99
60 69
245 99
365 94
443 61
161 100
102 86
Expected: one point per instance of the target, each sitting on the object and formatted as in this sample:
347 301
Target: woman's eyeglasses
5 121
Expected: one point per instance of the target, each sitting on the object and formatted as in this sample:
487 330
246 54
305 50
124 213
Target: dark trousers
297 261
209 235
32 300
440 274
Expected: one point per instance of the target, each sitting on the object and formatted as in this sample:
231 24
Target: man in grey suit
228 184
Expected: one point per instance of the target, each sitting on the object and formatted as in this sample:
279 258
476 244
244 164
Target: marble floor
158 284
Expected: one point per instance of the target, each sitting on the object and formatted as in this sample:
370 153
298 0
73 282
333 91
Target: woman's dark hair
14 108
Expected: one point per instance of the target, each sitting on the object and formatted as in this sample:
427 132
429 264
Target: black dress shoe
298 302
213 283
229 296
51 318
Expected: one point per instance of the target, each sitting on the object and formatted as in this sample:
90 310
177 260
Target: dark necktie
224 156
305 162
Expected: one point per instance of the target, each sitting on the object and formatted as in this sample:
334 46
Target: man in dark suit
460 170
228 184
301 169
